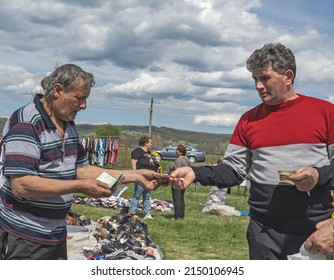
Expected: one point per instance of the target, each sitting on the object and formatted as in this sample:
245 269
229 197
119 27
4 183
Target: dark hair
68 75
143 140
182 149
279 57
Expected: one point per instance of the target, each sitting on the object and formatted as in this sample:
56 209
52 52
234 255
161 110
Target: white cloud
16 80
222 120
189 55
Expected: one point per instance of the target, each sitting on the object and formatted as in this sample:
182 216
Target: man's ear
289 77
57 90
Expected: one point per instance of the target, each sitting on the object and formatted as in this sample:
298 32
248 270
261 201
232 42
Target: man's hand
148 179
322 239
181 178
305 178
95 188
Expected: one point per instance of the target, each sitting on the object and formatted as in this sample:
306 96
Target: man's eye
80 98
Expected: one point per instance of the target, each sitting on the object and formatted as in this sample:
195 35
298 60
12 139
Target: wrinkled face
271 86
66 106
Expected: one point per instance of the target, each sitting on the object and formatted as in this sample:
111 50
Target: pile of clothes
118 238
161 205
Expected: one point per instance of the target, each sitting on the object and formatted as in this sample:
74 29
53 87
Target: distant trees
108 130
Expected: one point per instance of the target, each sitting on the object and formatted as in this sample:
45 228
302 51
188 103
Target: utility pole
151 112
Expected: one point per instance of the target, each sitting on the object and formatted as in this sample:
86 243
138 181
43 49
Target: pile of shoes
76 219
121 238
106 202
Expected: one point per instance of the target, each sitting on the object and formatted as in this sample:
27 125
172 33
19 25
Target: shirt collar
41 110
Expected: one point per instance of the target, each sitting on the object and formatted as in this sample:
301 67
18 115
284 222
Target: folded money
110 180
283 176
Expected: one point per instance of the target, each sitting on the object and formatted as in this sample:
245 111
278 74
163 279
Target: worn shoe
148 217
133 218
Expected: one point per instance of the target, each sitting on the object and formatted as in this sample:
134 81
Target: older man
45 164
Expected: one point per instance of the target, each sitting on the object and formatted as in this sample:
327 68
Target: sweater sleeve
222 176
326 177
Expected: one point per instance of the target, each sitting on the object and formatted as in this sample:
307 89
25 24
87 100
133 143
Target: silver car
169 153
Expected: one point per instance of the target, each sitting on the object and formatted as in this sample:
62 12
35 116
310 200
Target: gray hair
279 57
68 75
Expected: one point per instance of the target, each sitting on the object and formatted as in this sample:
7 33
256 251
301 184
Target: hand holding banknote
182 177
304 178
110 180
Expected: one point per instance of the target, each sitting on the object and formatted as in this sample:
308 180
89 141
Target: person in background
178 195
45 164
141 158
286 145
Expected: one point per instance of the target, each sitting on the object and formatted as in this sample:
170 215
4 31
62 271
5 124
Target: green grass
199 236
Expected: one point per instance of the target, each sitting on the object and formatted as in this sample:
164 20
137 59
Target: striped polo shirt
33 146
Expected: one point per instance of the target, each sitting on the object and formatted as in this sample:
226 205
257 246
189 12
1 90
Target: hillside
162 136
209 142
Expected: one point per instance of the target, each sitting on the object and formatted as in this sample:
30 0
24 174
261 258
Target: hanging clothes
114 148
101 150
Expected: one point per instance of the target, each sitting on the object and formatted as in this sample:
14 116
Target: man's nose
259 85
83 105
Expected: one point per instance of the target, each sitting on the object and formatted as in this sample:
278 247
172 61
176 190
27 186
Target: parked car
169 153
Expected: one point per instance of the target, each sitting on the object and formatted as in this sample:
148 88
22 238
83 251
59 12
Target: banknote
164 178
110 180
283 176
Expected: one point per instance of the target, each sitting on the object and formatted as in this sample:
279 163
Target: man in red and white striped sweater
288 131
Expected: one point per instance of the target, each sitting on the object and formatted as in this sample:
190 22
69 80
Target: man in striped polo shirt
286 145
45 164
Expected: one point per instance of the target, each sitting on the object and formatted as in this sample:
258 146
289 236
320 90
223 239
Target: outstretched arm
221 175
144 177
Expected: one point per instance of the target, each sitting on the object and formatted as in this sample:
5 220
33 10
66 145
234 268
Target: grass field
199 236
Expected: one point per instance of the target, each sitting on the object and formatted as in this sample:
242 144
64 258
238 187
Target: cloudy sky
188 55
